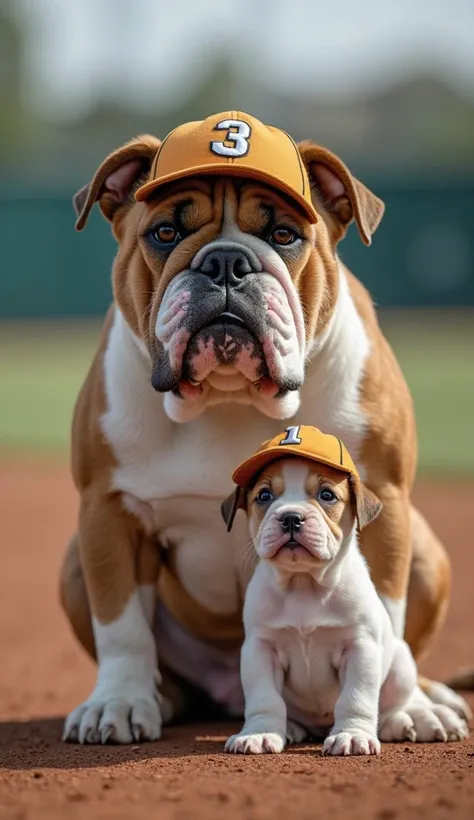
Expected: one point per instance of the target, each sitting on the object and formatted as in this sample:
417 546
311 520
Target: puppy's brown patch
271 479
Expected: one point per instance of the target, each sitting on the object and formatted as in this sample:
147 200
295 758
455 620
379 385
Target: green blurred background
390 87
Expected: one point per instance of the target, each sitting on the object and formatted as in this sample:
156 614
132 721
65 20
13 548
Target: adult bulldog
231 313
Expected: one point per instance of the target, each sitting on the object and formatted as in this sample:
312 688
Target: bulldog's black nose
226 266
291 522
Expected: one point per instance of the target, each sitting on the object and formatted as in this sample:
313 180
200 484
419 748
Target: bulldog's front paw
397 727
258 744
433 722
117 720
355 742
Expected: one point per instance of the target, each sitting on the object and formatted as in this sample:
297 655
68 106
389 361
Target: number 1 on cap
292 436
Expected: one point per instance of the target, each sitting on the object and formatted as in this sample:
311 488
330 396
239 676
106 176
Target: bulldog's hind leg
428 598
429 587
73 596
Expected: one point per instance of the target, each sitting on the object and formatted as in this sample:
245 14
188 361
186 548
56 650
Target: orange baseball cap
232 143
303 441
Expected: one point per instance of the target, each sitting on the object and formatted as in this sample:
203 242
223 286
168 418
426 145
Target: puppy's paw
355 742
258 744
118 720
295 733
397 727
433 722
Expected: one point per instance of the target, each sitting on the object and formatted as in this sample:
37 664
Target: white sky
156 49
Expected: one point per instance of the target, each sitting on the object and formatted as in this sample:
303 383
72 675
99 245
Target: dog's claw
105 734
137 732
458 734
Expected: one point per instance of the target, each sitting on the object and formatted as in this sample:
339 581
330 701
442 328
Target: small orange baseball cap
303 441
232 143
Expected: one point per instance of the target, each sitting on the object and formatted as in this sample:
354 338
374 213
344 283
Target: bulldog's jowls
231 312
319 656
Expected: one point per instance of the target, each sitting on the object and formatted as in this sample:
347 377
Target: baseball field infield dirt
186 774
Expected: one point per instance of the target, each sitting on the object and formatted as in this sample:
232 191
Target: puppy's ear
115 180
367 505
235 501
341 196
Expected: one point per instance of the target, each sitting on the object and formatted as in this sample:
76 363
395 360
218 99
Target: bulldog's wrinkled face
300 513
223 280
226 317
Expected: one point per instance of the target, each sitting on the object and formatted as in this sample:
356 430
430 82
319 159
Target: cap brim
246 472
146 190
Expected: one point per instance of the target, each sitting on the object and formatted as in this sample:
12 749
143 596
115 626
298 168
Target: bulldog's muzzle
229 311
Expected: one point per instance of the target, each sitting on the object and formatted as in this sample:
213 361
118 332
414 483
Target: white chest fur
311 627
330 398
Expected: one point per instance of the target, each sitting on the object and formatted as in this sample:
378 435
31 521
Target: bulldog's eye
264 496
327 496
283 236
165 234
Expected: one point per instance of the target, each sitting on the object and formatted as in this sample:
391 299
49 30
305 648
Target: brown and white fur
319 645
196 366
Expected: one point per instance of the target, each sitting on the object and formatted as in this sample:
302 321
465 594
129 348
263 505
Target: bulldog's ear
115 180
235 501
366 503
341 195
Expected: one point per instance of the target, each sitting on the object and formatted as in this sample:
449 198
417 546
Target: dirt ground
186 774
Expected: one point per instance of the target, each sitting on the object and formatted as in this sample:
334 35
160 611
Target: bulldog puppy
319 646
231 311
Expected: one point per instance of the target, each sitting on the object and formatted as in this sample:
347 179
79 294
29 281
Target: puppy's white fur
319 645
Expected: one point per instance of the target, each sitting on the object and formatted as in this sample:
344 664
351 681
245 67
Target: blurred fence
422 255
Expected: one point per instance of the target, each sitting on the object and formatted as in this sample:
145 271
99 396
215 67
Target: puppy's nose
291 522
226 266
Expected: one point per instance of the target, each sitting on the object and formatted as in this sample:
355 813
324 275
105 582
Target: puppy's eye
327 496
165 234
283 236
264 496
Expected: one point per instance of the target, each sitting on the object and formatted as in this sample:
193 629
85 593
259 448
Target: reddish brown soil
186 774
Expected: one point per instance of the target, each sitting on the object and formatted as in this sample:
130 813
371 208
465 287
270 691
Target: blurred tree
424 124
418 126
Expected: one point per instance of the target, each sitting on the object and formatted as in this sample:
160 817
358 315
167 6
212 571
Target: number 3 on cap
292 436
239 136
